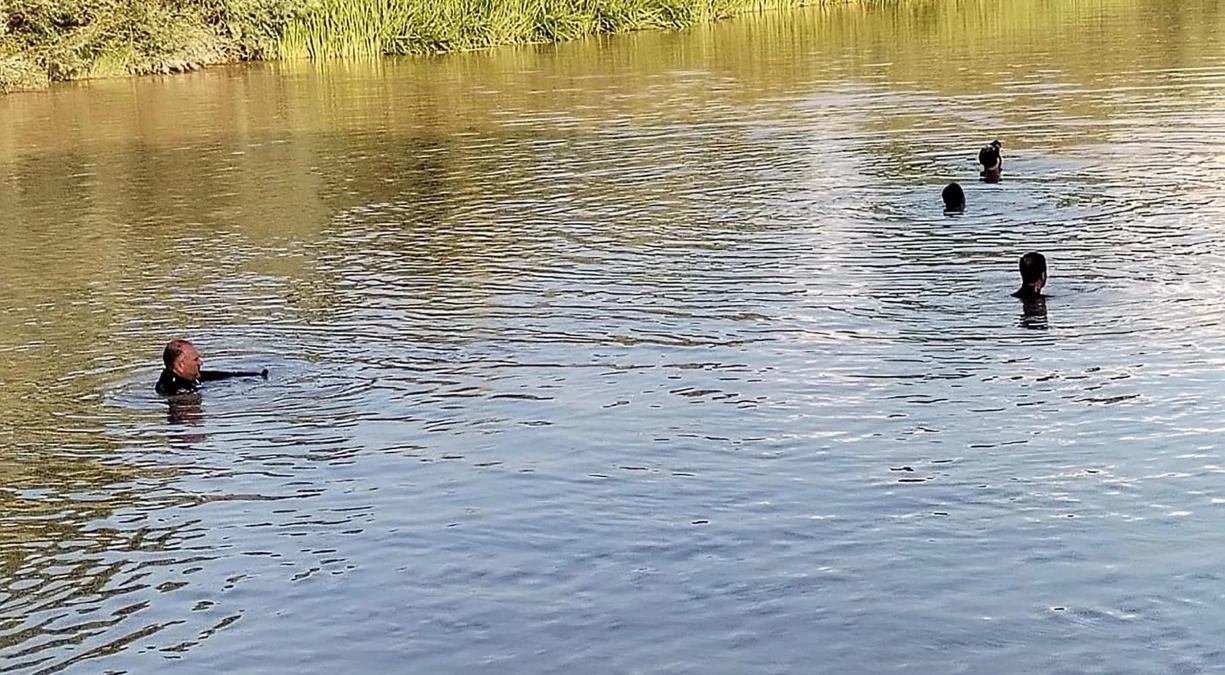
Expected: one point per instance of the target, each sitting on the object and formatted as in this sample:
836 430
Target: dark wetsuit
1027 292
170 384
1033 307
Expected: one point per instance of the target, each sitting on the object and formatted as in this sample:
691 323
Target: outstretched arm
210 375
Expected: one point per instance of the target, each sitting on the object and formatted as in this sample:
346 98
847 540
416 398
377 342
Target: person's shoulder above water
954 198
1033 276
182 372
169 384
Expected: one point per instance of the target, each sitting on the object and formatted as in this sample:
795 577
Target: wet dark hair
989 156
1033 266
954 197
173 349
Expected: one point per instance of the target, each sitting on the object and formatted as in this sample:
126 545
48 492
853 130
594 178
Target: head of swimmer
1033 272
183 359
954 198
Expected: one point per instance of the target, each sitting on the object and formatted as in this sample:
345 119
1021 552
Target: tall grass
46 40
366 28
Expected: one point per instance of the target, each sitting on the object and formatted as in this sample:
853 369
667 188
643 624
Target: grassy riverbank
49 40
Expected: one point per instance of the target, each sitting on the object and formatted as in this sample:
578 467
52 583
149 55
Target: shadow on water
185 409
1033 314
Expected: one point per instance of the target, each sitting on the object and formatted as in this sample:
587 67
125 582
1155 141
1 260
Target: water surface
646 354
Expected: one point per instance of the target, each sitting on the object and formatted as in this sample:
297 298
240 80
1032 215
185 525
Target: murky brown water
651 354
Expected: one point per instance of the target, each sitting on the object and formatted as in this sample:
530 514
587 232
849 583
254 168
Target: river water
646 354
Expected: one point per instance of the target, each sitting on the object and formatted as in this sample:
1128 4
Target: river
643 354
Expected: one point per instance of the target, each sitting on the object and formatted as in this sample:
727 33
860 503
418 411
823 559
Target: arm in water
211 375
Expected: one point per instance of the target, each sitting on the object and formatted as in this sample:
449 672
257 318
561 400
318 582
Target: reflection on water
1033 313
649 354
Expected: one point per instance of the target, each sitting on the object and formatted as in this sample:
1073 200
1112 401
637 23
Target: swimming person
1033 276
954 198
992 163
182 373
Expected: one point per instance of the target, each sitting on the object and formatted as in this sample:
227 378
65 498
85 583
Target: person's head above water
1033 274
182 359
183 372
989 156
954 198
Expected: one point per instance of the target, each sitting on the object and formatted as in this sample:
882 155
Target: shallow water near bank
649 354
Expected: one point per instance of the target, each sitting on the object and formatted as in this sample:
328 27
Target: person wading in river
954 198
183 375
992 163
1033 276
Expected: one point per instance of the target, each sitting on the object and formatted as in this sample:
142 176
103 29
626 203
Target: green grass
49 40
364 28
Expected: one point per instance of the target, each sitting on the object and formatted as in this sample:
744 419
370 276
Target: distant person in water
954 198
1033 276
992 163
182 373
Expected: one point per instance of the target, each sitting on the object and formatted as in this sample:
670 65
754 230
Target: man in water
1033 276
182 374
992 163
954 198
